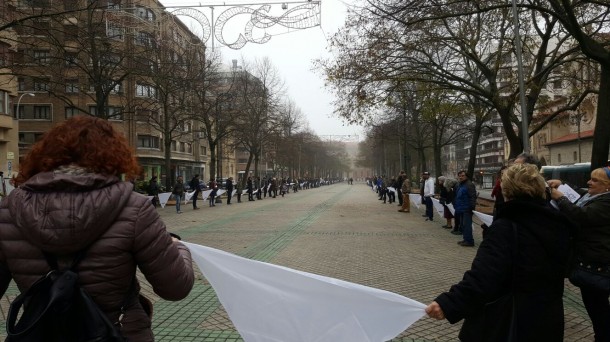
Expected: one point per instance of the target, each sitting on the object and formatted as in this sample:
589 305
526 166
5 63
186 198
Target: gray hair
450 183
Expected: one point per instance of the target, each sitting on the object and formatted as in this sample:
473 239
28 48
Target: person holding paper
591 271
70 200
514 289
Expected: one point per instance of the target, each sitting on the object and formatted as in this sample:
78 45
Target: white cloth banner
163 198
233 193
188 196
220 192
487 219
415 199
438 206
393 190
150 198
244 192
205 194
270 303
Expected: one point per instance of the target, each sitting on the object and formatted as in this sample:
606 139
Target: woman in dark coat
513 291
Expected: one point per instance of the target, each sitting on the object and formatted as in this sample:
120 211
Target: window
113 113
145 39
558 158
41 27
203 150
145 90
42 112
41 84
3 102
189 148
117 89
42 56
114 31
70 32
29 137
242 160
575 156
145 13
5 54
71 111
174 145
19 113
557 84
70 59
147 141
182 147
71 86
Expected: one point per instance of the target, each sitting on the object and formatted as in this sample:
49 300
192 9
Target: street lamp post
17 116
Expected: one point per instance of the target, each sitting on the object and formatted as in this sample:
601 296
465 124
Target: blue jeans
178 200
466 224
428 203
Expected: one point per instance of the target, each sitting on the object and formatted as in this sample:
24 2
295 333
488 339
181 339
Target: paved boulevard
339 231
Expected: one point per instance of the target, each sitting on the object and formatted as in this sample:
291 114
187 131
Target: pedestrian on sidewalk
446 197
514 289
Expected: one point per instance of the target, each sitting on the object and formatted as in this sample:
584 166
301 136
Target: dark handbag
582 276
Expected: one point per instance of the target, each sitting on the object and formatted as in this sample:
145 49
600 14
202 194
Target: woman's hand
434 311
554 183
556 194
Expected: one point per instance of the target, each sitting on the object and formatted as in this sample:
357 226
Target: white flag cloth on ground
188 196
487 219
270 303
415 199
438 206
163 198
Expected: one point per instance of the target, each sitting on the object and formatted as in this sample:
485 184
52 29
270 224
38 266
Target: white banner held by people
270 303
485 218
438 206
415 199
188 196
163 198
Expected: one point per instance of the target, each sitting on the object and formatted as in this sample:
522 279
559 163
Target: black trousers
598 308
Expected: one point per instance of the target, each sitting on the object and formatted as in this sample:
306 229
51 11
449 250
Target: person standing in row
70 200
464 204
239 187
514 289
250 188
153 190
591 272
194 185
428 194
214 188
178 192
406 201
229 190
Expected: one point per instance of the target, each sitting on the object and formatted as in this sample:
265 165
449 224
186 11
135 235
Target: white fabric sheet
205 194
270 303
415 199
163 198
487 219
438 206
188 196
451 208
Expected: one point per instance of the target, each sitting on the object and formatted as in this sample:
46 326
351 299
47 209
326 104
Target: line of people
514 289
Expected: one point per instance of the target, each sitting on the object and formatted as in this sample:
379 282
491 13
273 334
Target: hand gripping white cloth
270 303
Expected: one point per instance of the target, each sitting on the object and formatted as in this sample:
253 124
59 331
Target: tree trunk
601 138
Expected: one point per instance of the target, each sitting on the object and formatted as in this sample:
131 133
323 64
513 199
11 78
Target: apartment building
118 60
9 127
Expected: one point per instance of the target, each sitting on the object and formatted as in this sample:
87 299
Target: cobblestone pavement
339 231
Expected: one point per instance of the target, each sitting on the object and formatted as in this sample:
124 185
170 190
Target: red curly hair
86 141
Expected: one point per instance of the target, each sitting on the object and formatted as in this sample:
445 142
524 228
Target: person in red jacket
70 198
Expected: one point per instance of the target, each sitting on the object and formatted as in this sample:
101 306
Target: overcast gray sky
292 53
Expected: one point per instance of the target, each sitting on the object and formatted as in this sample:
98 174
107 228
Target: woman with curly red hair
70 201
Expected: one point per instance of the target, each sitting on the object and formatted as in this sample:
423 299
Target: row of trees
435 70
144 67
